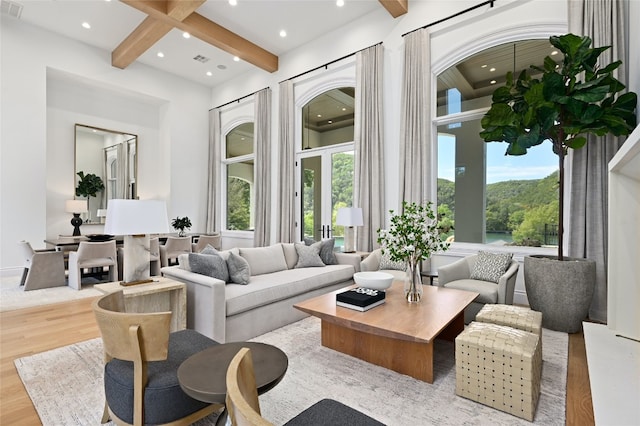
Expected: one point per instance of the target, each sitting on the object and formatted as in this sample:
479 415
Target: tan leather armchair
42 268
92 255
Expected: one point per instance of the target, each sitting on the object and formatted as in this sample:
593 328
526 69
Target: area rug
12 296
65 384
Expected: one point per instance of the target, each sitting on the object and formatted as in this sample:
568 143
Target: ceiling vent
199 58
11 8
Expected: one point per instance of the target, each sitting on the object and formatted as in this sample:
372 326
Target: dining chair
141 366
174 247
214 241
243 406
92 255
42 268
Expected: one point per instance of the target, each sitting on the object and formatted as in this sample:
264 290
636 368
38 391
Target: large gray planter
562 291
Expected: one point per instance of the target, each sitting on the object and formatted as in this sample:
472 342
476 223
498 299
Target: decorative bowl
374 280
99 237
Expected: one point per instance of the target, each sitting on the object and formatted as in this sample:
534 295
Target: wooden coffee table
396 335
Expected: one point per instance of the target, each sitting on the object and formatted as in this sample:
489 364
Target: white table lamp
102 214
76 207
135 220
349 217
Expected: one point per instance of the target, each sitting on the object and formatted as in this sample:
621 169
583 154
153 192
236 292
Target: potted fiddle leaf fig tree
88 186
562 105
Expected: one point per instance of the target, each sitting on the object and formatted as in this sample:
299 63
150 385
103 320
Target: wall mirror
111 155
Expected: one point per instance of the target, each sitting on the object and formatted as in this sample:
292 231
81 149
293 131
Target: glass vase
413 283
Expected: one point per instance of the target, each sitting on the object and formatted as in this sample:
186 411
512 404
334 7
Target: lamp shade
136 217
75 206
349 216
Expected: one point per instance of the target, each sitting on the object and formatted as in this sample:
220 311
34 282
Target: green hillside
512 205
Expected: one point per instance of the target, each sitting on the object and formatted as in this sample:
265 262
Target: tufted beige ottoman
512 316
500 367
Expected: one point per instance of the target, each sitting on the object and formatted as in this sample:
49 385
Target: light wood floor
28 331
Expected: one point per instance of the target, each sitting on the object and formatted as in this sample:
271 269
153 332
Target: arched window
239 171
483 195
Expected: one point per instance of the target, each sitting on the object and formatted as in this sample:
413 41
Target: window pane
239 141
328 118
487 197
240 197
341 190
469 84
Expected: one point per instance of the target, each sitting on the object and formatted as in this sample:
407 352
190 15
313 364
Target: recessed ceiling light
209 73
493 82
186 35
339 3
344 109
86 25
233 2
283 33
235 58
319 115
492 69
483 66
222 67
330 121
554 52
160 55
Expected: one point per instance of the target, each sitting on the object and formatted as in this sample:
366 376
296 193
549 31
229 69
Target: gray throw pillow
387 264
209 250
490 266
326 251
212 265
308 256
239 270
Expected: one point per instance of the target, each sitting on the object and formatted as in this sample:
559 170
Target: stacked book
360 298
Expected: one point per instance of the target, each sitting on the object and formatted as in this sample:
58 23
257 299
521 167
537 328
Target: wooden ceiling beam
172 13
396 7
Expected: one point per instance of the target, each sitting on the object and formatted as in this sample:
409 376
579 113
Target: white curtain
604 21
213 175
368 135
122 171
262 168
286 170
415 121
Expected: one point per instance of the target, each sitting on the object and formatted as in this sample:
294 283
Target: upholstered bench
518 317
500 367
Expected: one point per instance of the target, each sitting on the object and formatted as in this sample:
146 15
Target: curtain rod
328 63
239 99
455 15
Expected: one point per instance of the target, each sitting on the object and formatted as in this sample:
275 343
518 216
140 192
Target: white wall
36 170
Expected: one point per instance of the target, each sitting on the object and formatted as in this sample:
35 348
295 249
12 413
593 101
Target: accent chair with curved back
244 407
42 268
203 240
141 366
174 247
92 255
458 275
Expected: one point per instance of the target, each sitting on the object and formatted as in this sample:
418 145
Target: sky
539 162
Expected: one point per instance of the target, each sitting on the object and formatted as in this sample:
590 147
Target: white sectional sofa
228 312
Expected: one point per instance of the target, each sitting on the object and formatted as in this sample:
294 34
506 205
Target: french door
325 183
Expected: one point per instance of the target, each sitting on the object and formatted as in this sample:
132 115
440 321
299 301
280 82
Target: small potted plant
180 224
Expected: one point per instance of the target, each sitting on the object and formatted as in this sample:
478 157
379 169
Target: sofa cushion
326 249
290 255
239 271
488 290
212 265
387 263
308 256
490 266
264 260
270 288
